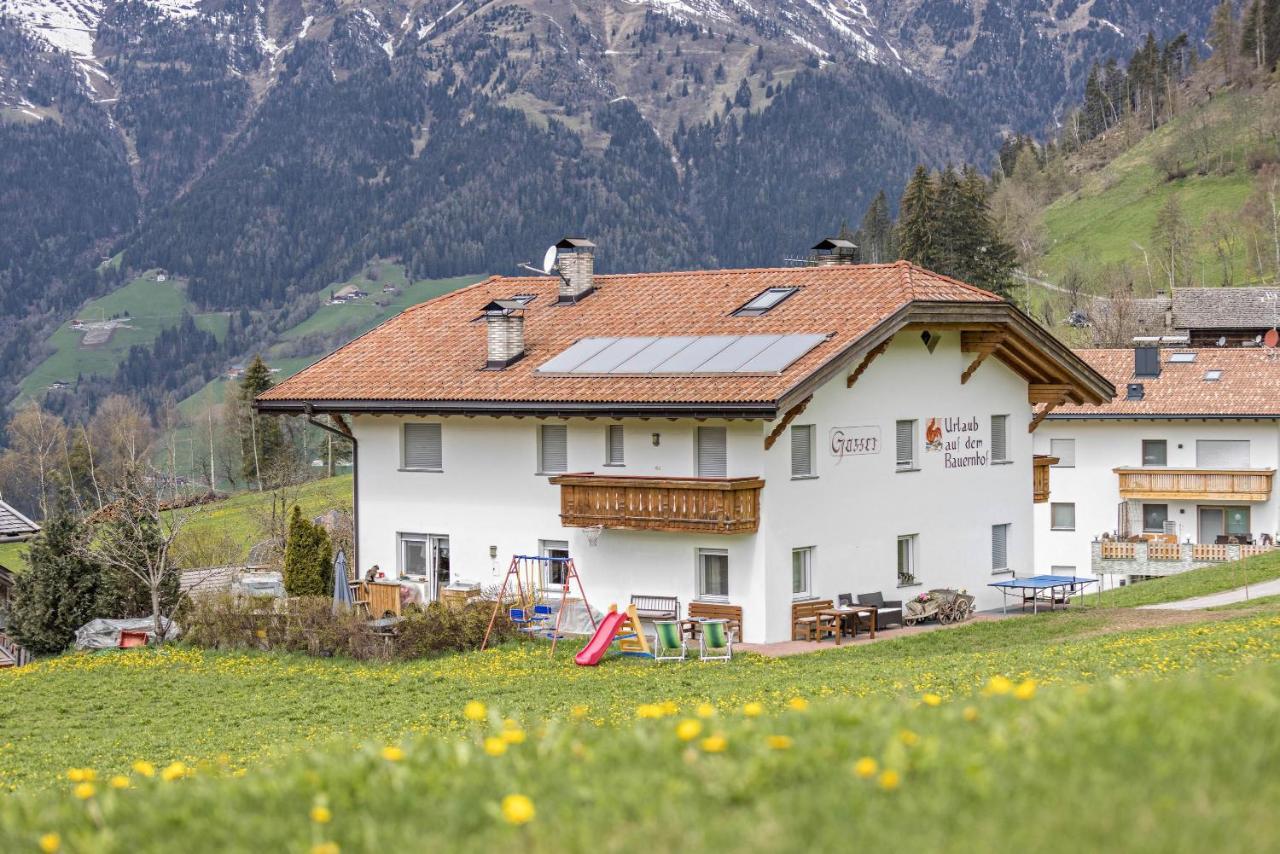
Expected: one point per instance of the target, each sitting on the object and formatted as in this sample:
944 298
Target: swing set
530 615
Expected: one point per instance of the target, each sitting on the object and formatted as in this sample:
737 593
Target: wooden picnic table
842 613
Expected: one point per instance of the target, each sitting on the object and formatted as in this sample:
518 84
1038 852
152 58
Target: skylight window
1212 376
1182 358
763 301
524 299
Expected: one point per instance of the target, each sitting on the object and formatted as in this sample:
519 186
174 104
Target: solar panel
682 354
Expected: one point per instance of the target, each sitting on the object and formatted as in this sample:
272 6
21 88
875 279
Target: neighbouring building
751 437
1204 317
1176 472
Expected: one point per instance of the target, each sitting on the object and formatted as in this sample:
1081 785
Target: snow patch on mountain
68 25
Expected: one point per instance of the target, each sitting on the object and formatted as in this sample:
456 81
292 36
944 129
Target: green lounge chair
669 641
715 642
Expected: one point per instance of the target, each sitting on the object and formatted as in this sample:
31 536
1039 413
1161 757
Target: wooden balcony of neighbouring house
1040 477
1195 484
710 505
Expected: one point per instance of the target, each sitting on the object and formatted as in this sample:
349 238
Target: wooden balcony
706 505
1040 477
1196 484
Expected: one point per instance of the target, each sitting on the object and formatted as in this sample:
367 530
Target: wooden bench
806 619
715 611
656 607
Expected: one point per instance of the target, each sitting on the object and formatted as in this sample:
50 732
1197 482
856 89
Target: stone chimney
504 320
576 261
834 250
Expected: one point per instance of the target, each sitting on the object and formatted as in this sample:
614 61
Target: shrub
440 628
308 558
59 591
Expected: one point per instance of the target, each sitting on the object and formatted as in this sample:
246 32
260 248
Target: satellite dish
549 260
1272 338
1222 342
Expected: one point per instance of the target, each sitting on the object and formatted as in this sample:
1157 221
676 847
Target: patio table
843 613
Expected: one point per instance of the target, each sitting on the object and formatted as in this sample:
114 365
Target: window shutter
1064 450
802 450
999 547
422 448
613 445
1222 453
555 448
999 438
712 453
906 444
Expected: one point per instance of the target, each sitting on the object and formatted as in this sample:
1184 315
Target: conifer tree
916 219
875 235
1223 38
308 558
261 439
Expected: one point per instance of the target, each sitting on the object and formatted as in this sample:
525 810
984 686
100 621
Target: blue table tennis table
1058 586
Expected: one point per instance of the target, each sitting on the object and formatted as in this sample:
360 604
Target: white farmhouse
749 437
1175 472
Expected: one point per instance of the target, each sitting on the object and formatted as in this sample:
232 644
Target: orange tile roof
435 353
1250 384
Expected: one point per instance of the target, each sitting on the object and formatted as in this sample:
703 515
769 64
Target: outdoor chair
668 641
888 611
845 600
806 621
715 642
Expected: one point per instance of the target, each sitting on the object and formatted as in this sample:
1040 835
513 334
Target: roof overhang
538 409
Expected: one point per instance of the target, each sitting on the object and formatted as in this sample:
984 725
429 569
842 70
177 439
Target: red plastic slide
600 641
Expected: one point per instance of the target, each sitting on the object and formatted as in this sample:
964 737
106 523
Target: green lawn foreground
108 709
1192 583
1019 767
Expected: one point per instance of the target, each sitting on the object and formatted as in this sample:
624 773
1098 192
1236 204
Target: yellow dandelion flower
392 753
320 814
50 843
909 738
475 711
84 791
1025 690
798 704
889 780
495 746
970 713
579 712
517 809
325 848
649 710
668 707
866 767
705 710
174 771
143 767
714 744
779 742
119 781
999 685
932 700
514 736
81 775
688 729
753 710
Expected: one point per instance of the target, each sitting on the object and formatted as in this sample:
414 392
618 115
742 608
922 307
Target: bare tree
31 467
1115 317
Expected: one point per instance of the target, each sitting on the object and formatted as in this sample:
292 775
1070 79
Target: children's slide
601 640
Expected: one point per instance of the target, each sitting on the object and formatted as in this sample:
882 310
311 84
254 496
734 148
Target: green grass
1099 765
1115 209
1194 582
151 306
1258 602
12 554
105 710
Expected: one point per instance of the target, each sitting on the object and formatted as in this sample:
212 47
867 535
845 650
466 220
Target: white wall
1094 488
489 494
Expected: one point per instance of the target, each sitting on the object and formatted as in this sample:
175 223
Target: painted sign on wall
958 440
854 441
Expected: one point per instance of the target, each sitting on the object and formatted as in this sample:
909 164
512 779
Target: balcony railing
1201 484
1040 477
705 505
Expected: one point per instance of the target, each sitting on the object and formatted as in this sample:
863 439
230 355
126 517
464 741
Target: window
1154 516
1000 548
1222 453
613 449
713 574
425 557
421 449
802 451
553 449
1212 376
712 453
1065 451
553 571
802 572
906 445
762 302
907 559
1155 452
1063 517
999 438
1237 520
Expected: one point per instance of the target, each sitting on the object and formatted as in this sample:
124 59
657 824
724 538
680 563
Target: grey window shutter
906 444
613 441
999 438
802 450
1000 546
555 448
712 452
422 447
1222 453
1064 450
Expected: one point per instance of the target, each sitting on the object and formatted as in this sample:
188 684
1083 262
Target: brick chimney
504 320
576 261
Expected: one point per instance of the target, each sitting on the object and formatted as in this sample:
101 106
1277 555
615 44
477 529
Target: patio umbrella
341 589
